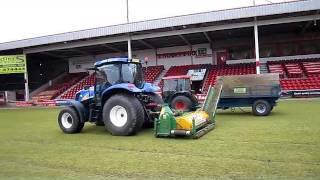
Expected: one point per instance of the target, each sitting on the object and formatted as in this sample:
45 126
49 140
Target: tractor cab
178 94
119 70
113 72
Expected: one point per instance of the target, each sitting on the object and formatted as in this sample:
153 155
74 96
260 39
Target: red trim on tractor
180 105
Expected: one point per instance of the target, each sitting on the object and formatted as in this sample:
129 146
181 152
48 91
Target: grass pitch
284 145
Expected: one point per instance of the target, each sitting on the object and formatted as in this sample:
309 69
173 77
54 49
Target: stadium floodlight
129 37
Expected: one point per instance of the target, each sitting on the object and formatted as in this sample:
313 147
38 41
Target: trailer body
259 91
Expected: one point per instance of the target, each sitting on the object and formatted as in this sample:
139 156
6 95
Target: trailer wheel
181 103
123 115
261 108
69 121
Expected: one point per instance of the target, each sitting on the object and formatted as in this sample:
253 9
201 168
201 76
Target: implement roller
193 124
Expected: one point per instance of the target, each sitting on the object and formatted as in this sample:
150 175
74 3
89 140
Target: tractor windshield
123 73
132 73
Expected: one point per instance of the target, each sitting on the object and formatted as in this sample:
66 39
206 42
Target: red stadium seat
234 69
152 72
302 74
59 87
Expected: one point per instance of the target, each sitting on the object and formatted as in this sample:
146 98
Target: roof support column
26 81
129 48
256 45
26 86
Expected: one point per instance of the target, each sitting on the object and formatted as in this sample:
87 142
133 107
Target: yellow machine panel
185 122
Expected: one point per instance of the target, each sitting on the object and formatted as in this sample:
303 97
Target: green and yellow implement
192 124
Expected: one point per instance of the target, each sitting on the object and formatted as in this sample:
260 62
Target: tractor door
98 87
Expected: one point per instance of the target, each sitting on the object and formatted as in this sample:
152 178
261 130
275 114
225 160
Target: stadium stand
294 75
183 70
277 68
309 83
152 72
293 70
311 68
234 69
297 74
59 87
87 81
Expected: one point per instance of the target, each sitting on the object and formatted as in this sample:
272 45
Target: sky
21 19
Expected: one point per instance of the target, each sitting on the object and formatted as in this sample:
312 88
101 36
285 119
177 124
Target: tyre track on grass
111 149
96 174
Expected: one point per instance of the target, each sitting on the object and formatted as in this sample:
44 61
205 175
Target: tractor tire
69 121
261 108
123 115
181 103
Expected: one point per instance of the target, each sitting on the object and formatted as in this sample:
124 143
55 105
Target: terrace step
159 78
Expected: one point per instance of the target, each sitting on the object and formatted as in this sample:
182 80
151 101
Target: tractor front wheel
69 121
123 115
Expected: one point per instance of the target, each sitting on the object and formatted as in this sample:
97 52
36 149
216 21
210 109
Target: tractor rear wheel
181 103
69 121
123 115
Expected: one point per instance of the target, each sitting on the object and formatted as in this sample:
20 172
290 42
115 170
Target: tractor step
94 115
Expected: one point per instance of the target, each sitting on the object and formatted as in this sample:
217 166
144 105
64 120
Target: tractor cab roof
177 77
115 60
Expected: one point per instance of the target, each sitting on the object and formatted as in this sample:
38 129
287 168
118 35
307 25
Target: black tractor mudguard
82 111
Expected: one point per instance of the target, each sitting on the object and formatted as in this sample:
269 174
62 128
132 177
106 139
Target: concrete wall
80 64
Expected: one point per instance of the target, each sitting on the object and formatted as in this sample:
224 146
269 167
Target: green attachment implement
165 123
192 124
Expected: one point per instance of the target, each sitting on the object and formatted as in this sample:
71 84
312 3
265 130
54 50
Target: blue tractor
120 100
